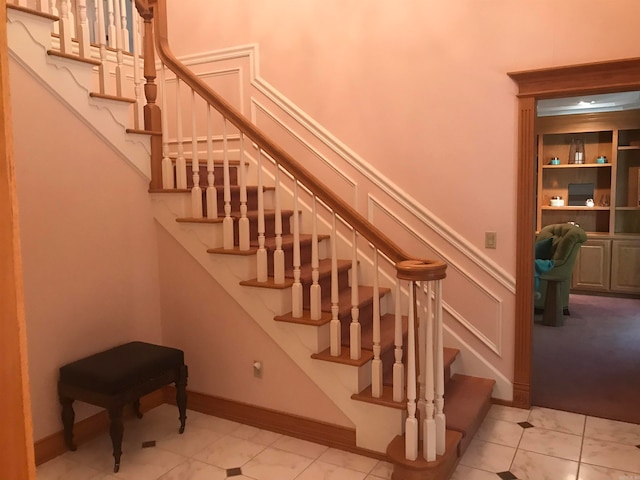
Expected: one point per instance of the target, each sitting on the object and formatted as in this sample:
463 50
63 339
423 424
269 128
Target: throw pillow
544 249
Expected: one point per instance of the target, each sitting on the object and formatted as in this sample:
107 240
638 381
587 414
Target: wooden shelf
581 165
576 207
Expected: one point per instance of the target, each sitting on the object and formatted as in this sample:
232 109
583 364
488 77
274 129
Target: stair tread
467 400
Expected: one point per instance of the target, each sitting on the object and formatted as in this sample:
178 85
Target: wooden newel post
152 114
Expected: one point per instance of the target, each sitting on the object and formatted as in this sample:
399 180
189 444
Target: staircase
269 302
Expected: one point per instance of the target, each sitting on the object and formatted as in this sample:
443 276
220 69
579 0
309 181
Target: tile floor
540 444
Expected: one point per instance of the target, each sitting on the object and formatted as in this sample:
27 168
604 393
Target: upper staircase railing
412 286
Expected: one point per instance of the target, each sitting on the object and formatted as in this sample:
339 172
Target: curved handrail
414 268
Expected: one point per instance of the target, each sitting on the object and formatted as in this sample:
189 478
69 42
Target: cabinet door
625 266
591 271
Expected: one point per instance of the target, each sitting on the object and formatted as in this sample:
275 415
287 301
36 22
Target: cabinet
610 260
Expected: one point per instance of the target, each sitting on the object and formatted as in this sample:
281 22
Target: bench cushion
121 367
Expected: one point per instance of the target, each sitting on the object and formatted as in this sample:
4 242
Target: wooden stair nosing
305 319
31 11
344 357
137 131
114 98
251 215
76 58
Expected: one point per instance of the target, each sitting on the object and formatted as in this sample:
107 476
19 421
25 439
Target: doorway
534 85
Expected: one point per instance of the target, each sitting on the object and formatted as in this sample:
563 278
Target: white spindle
119 55
168 175
137 77
124 26
181 164
411 423
212 192
261 256
111 27
43 5
420 353
315 292
227 222
243 222
196 191
398 366
335 329
439 371
21 3
103 71
355 329
65 26
296 290
428 424
84 44
53 10
376 363
278 254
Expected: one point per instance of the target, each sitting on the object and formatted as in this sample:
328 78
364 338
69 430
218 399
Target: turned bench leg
181 395
116 431
68 417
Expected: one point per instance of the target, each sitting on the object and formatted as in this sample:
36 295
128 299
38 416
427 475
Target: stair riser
365 317
269 228
305 257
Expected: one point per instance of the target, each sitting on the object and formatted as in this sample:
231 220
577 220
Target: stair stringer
29 38
338 381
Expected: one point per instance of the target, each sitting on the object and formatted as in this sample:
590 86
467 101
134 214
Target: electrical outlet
490 239
257 368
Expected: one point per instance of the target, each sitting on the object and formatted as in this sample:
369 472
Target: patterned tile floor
536 444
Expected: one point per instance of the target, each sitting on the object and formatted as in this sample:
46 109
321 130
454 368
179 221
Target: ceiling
608 102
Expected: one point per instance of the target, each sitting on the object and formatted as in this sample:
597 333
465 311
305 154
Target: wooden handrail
408 266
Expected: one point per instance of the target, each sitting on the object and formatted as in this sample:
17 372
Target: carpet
591 365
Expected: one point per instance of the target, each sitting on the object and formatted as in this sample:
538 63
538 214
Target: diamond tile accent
508 475
234 472
150 443
525 425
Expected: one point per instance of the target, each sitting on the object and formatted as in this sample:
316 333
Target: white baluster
119 55
420 353
261 256
137 77
181 164
53 10
439 371
355 329
243 222
428 424
65 27
103 71
411 423
335 327
43 5
398 366
296 290
196 191
168 175
84 44
21 3
212 192
376 363
278 254
227 222
111 27
315 292
124 26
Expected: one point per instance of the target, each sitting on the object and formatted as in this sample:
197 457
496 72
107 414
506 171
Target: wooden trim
115 98
89 428
16 438
32 12
75 58
582 79
324 433
592 78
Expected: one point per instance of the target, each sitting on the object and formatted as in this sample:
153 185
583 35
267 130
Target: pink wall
221 342
418 86
88 243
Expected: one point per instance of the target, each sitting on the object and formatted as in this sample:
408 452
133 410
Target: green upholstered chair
562 248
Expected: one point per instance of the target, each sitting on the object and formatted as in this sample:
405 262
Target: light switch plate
490 239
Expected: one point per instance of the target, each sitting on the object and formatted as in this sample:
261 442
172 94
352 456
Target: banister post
152 114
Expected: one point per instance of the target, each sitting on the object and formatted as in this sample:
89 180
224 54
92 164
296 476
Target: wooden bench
117 377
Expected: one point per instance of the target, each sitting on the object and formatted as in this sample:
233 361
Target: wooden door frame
16 436
534 85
